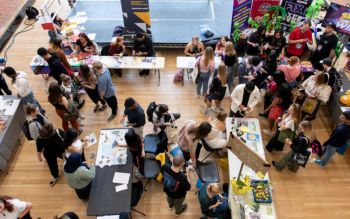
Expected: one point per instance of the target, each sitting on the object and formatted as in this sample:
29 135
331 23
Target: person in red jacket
298 39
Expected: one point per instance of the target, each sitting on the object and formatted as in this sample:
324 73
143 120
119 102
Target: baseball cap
327 61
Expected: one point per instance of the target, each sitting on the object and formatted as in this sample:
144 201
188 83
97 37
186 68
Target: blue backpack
169 182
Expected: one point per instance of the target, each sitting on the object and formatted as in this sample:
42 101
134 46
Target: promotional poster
296 10
260 7
136 16
339 15
241 13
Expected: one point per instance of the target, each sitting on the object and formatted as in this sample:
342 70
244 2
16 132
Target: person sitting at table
195 48
217 90
21 84
55 64
4 89
255 40
117 48
300 144
143 46
89 82
35 120
84 44
206 195
244 98
206 67
136 116
220 46
49 144
247 67
291 71
12 208
106 88
277 43
326 47
229 57
56 47
60 102
79 175
298 39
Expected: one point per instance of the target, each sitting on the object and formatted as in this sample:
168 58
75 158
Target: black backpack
337 82
150 109
25 127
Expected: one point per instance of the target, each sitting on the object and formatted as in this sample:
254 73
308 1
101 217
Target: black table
104 200
10 136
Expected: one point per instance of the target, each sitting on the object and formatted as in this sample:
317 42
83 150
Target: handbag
309 105
284 134
301 159
179 75
275 112
325 94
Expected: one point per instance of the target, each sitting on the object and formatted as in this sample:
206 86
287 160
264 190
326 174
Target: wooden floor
311 193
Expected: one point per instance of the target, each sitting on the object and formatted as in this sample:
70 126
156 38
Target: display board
260 7
240 14
296 11
136 16
339 15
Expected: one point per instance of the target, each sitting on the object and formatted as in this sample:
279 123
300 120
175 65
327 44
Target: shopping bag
301 159
309 105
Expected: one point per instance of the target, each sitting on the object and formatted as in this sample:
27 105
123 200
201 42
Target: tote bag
309 105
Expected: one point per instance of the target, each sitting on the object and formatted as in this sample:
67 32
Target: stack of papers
122 179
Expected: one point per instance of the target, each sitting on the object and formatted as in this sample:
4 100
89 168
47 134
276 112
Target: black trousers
93 94
236 114
4 89
51 159
84 193
112 103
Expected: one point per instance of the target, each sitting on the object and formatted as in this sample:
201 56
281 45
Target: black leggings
112 103
84 193
93 94
51 159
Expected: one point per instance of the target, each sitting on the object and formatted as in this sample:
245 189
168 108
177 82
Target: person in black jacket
55 64
300 145
339 137
328 72
217 90
143 46
176 185
49 144
255 40
230 59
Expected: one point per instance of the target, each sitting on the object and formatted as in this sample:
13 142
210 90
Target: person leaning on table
136 116
79 175
143 46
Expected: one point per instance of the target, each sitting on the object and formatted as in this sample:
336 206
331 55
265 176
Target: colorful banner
240 14
340 16
260 7
136 16
296 10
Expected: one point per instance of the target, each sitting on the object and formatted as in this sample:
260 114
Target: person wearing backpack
176 184
35 121
329 74
49 144
338 138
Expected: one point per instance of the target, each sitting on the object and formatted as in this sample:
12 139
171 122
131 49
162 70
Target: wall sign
136 16
296 10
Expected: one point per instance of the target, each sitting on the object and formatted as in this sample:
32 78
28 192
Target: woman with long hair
217 90
117 48
291 71
229 57
205 65
277 43
300 144
12 208
60 102
89 82
205 197
286 128
84 44
255 40
194 48
56 47
220 46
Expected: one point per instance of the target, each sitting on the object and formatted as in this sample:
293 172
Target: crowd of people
270 74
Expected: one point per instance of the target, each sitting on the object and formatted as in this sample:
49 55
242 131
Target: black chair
136 194
151 169
151 142
207 171
207 148
104 50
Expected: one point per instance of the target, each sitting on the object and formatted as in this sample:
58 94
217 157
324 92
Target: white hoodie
22 85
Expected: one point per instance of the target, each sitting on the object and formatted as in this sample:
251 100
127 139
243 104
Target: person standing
143 46
205 65
12 208
298 39
21 84
136 116
328 72
291 71
229 57
176 185
4 89
244 98
106 88
55 65
35 120
338 138
326 47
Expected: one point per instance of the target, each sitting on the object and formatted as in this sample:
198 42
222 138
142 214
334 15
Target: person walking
176 185
338 138
205 65
136 116
106 88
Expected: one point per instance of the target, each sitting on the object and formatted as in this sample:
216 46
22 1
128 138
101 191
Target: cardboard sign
247 156
260 7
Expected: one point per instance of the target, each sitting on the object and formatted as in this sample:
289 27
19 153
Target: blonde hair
222 73
296 115
208 55
97 65
118 40
319 79
214 188
221 116
293 60
229 50
308 130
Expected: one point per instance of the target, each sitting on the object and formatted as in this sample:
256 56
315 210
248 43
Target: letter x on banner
136 16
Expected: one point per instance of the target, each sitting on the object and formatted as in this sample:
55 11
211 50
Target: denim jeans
328 154
203 82
31 99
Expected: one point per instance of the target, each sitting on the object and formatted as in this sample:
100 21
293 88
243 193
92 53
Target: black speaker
32 12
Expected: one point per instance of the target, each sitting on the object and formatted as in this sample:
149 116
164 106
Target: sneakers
102 108
97 107
319 163
111 117
54 181
184 207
